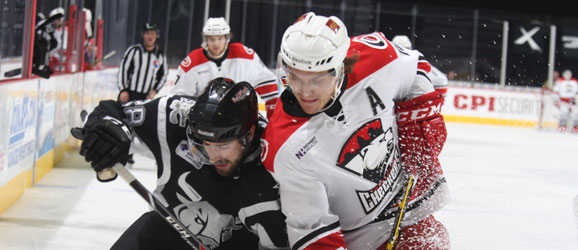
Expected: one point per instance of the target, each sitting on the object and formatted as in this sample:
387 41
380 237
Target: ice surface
70 209
512 188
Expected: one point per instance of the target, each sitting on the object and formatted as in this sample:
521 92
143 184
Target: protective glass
303 83
202 151
197 152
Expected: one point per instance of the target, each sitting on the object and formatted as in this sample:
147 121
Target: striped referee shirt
141 71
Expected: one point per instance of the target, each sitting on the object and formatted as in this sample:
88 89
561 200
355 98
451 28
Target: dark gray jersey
215 208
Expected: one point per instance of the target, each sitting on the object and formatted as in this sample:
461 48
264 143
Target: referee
143 69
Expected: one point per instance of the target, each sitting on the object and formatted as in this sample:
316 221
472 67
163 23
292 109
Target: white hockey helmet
402 40
315 43
567 74
55 11
87 21
216 26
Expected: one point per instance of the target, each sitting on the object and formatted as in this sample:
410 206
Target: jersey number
136 115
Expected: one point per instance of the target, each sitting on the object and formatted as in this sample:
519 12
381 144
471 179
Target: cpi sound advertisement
495 106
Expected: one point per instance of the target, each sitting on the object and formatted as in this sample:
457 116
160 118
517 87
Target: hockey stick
13 73
104 58
183 231
108 173
400 214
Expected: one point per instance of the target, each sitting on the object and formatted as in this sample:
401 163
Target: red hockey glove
422 132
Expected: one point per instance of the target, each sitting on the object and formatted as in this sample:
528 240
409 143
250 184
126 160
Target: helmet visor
303 81
198 154
203 151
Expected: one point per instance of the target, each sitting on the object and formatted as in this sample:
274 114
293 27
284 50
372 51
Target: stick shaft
104 58
397 224
185 233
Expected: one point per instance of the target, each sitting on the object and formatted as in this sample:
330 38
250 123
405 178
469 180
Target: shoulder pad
375 52
194 58
238 50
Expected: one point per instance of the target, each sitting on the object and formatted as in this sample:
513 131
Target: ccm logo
419 114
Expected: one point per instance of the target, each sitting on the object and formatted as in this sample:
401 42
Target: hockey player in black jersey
209 171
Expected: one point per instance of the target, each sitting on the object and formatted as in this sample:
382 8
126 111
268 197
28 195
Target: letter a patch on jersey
374 100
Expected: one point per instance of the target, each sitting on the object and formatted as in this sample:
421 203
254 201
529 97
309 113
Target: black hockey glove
106 141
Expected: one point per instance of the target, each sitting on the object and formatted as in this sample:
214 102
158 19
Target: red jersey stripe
266 89
333 241
424 65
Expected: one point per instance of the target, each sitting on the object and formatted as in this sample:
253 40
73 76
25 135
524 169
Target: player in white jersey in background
217 57
333 143
57 56
438 78
567 88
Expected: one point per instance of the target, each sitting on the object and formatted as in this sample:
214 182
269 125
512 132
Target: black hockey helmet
150 26
223 112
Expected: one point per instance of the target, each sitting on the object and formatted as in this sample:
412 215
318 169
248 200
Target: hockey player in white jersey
217 57
438 78
567 90
334 141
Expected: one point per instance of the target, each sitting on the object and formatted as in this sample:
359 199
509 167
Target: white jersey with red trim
339 171
439 80
566 89
239 63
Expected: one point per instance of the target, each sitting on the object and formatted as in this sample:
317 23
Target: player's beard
217 53
230 171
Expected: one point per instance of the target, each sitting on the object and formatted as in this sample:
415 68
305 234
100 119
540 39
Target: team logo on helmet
302 17
332 25
240 95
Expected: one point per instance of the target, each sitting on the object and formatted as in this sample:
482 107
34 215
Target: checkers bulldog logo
371 153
